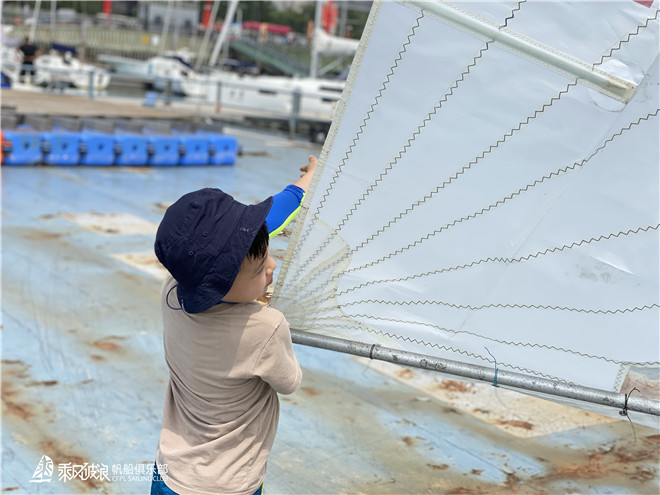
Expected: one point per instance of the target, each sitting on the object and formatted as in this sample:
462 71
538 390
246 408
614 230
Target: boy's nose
272 264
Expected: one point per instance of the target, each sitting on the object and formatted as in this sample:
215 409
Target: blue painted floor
84 376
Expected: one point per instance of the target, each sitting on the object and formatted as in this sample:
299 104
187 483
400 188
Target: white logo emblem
44 470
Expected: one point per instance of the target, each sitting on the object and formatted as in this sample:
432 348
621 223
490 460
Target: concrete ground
83 374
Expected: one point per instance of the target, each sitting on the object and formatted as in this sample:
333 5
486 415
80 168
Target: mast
166 27
207 34
229 17
314 64
35 18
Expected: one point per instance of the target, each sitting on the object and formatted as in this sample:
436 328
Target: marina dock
84 375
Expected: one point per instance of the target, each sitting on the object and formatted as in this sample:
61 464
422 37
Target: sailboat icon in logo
44 470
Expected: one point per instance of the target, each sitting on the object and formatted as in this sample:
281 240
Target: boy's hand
307 171
310 167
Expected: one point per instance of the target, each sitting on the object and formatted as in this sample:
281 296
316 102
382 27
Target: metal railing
294 103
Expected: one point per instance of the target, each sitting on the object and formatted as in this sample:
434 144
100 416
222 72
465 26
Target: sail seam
503 306
349 151
466 71
501 141
512 14
499 259
505 342
483 154
392 163
545 178
628 37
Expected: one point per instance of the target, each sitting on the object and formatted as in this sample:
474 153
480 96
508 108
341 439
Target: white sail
489 191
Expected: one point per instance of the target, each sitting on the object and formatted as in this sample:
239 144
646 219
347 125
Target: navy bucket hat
202 241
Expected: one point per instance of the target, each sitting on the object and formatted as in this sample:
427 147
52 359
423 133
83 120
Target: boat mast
314 64
229 17
35 17
166 27
207 34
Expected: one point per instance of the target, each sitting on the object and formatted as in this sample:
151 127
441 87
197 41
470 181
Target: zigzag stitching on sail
402 51
467 167
500 202
320 300
512 14
457 351
510 133
504 306
448 181
498 259
492 147
400 153
628 37
506 342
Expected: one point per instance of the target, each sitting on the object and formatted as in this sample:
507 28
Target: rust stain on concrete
454 386
310 391
108 344
406 374
525 425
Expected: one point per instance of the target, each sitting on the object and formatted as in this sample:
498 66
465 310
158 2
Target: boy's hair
259 247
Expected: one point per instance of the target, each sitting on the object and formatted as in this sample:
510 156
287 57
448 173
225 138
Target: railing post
91 84
218 96
295 110
168 91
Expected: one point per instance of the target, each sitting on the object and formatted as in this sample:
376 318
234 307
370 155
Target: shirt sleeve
286 205
277 364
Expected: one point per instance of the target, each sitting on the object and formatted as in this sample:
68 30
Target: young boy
228 355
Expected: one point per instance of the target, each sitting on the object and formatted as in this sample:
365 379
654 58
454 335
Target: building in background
183 16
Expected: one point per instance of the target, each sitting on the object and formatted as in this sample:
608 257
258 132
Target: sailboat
318 99
486 203
67 68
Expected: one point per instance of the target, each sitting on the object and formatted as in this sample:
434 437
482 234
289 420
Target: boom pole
620 401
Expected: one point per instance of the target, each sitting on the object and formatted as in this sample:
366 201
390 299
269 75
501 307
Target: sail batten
584 72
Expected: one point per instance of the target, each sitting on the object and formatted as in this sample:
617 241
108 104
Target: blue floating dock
21 148
92 147
60 147
164 151
194 149
97 149
130 149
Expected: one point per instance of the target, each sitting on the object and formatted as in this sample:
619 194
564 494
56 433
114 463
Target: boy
227 354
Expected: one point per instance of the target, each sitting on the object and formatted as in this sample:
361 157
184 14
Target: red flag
206 14
329 17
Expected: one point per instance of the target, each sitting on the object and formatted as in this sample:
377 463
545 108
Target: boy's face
253 279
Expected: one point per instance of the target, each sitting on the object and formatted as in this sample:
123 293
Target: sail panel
473 205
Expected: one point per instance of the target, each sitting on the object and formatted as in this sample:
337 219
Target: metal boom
620 401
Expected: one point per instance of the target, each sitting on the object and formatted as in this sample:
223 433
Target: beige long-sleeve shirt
221 409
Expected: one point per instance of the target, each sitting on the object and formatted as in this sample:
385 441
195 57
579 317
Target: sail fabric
482 199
